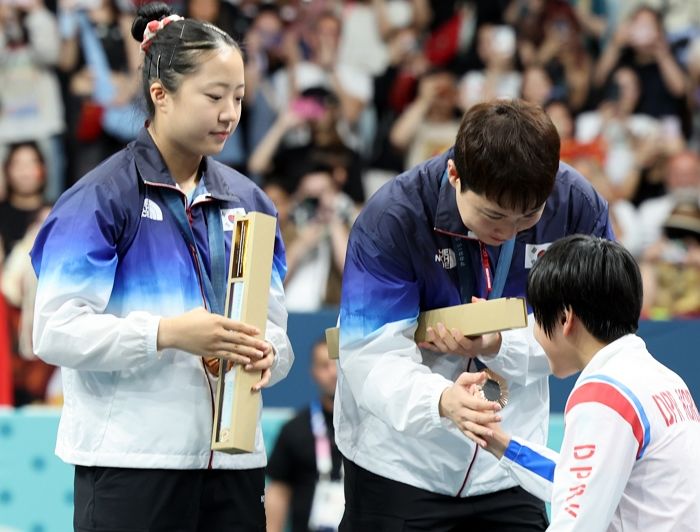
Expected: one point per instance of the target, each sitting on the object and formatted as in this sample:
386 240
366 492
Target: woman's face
25 173
644 31
561 117
201 115
537 86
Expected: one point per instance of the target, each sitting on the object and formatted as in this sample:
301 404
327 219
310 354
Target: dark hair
175 50
508 151
597 279
14 148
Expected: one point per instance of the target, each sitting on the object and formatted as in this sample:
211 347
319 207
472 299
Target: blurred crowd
343 95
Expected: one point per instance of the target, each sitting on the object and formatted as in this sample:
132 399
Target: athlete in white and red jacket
629 456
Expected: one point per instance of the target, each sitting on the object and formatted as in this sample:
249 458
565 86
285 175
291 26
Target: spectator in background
394 91
222 14
368 26
588 158
428 126
322 216
322 68
25 173
18 285
596 18
265 55
31 107
623 215
694 91
671 266
636 143
308 131
640 44
537 86
571 148
563 53
525 16
282 199
101 63
498 79
681 181
305 464
680 18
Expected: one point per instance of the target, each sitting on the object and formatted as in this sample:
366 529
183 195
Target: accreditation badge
328 505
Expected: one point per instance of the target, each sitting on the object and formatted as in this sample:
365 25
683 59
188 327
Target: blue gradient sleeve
379 359
377 289
75 257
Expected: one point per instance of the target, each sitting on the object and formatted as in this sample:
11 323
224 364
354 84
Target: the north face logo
447 258
152 211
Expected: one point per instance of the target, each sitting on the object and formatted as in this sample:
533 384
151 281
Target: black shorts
378 504
113 499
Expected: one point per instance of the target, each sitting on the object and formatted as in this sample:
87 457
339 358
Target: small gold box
237 407
475 319
472 319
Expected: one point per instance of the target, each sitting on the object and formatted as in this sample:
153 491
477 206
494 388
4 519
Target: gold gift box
237 407
472 319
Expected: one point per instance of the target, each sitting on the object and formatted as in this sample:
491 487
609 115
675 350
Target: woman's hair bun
147 13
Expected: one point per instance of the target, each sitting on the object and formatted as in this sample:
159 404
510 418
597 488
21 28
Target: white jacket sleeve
596 459
379 358
520 359
276 328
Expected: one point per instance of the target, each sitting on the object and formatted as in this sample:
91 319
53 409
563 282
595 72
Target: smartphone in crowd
308 108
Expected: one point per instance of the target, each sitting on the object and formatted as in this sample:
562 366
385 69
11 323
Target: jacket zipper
193 252
204 366
476 450
188 210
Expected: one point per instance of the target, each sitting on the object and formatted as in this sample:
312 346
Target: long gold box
237 407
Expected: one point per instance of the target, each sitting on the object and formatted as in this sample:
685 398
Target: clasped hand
215 337
464 404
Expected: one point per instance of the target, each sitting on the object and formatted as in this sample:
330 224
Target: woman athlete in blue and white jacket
122 305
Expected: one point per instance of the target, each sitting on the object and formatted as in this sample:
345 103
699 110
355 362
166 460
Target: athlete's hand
452 341
463 404
263 365
204 334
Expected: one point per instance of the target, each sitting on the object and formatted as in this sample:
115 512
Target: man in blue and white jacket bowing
469 223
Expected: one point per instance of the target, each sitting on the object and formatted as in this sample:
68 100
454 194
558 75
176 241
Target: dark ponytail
176 49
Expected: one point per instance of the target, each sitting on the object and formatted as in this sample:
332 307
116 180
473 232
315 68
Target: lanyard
324 462
495 285
217 283
494 288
